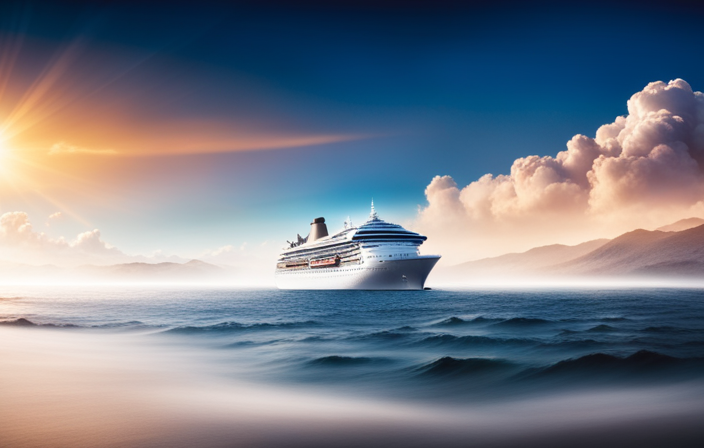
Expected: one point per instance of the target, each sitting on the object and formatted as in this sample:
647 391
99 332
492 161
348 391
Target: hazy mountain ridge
682 224
193 270
531 260
664 252
644 252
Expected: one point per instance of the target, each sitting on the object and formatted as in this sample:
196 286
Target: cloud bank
19 242
24 249
645 169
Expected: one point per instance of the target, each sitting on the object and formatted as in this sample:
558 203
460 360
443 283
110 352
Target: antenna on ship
373 215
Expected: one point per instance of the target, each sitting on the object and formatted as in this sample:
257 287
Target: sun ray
21 183
78 186
40 100
60 205
10 46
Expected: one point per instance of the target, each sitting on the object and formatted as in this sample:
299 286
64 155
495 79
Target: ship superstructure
375 255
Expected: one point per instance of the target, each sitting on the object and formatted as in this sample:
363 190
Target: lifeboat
292 264
325 262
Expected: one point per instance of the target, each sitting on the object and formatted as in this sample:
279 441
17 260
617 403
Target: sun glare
8 164
4 160
4 153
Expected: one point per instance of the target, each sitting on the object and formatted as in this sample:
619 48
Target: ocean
150 366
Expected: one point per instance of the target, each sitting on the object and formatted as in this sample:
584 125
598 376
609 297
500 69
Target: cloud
15 229
62 148
644 169
54 217
90 242
19 242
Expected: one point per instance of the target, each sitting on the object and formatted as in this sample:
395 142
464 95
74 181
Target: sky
200 130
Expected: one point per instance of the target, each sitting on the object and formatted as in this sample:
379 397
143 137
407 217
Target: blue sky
420 89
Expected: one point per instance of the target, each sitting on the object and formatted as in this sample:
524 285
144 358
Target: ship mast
373 215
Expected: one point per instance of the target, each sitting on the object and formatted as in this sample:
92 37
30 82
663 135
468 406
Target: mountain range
191 271
676 250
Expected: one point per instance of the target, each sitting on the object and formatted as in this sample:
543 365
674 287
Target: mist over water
219 367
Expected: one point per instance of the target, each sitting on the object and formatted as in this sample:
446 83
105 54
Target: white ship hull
406 274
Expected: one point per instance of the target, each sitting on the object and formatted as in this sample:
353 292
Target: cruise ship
377 255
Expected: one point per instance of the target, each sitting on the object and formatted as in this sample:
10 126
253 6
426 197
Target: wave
317 339
463 341
456 321
345 361
428 340
670 329
22 322
132 323
483 376
449 367
451 321
522 322
387 335
602 366
245 344
229 327
580 344
602 329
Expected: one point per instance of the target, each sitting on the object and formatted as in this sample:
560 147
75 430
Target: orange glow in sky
64 126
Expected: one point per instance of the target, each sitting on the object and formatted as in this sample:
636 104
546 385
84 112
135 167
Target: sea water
246 367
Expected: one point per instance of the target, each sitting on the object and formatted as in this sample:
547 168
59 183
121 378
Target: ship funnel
318 229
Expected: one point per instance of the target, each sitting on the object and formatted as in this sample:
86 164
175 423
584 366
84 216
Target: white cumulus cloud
19 242
644 169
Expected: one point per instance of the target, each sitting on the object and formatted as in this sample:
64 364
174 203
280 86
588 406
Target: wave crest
229 327
449 366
